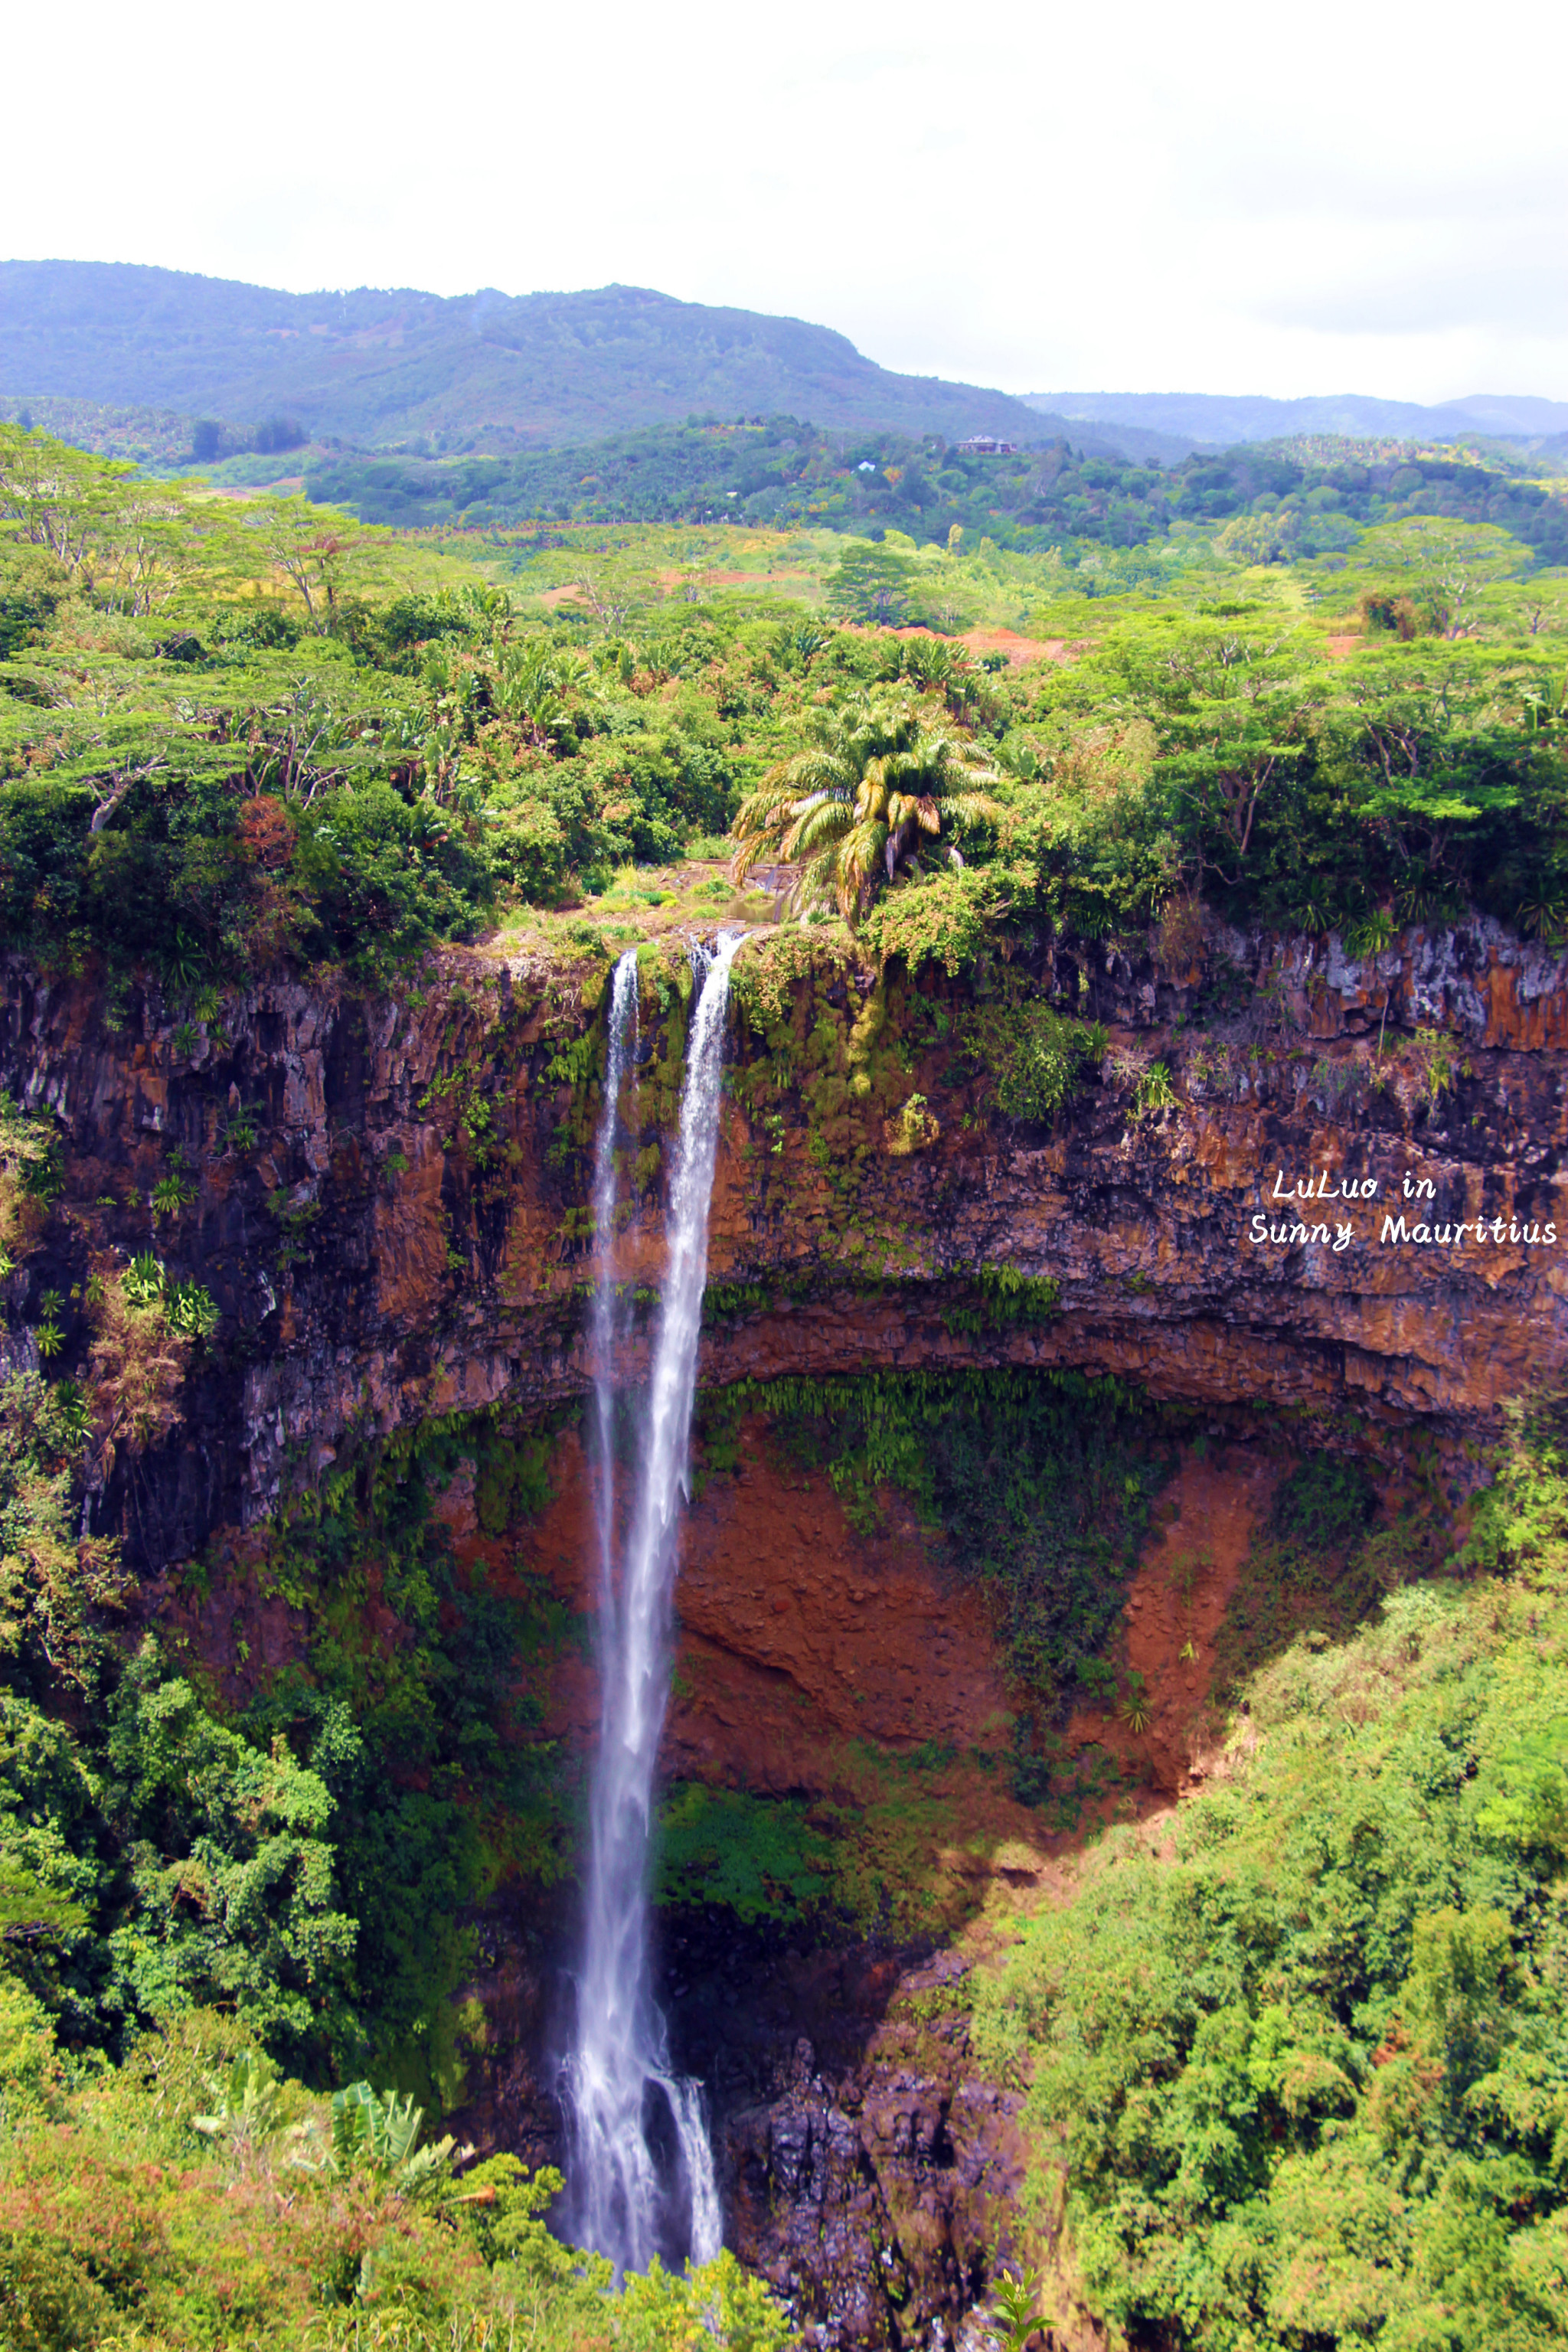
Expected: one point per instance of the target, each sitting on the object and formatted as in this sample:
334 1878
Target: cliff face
398 1230
388 1204
797 1636
868 2167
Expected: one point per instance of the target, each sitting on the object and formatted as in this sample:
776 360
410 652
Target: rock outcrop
405 1236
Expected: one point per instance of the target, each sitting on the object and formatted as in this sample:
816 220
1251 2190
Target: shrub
528 844
137 1362
1286 2071
384 876
1034 1055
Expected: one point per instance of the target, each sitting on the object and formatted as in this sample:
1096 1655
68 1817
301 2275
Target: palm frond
969 808
819 767
817 883
861 853
819 820
863 847
761 812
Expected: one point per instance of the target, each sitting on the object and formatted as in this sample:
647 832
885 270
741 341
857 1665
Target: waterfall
608 1318
628 2116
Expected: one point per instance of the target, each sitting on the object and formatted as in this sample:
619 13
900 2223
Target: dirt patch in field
1020 651
674 579
245 493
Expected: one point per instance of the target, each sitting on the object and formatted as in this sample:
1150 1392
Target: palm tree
871 796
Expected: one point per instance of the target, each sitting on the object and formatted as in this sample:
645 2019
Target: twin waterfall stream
641 2181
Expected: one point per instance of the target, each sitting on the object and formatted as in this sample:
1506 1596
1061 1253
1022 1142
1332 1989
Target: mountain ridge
1221 419
383 364
396 367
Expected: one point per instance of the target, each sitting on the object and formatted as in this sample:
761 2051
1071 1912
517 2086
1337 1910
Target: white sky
1354 196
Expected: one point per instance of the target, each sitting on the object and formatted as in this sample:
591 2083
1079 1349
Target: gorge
419 1250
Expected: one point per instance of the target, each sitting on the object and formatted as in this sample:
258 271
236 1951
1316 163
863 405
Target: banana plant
529 690
378 2133
248 2102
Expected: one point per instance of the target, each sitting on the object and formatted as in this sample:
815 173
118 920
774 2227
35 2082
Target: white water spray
624 2103
608 1318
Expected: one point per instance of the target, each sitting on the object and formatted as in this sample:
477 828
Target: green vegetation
1275 501
188 1885
719 1847
194 2199
1307 2078
863 804
305 1853
1033 1055
235 734
1322 1563
876 1858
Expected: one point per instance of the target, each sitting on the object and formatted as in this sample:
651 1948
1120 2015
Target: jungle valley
1108 1857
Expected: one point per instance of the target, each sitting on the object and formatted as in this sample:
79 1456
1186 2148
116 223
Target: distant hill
475 371
134 356
1218 420
1309 495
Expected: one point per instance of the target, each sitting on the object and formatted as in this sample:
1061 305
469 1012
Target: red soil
1177 1599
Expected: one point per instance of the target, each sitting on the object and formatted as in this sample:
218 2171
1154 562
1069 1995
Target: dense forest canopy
240 733
1287 498
232 729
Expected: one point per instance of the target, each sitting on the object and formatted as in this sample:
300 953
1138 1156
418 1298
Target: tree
132 544
277 432
871 582
1231 713
319 553
1452 563
1438 569
870 795
56 496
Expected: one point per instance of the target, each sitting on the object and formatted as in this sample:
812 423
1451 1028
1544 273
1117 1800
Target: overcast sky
1351 197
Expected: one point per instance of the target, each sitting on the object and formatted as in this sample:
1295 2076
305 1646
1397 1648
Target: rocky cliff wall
869 2168
395 1226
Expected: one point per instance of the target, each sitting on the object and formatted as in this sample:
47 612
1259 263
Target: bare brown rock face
796 1633
406 1235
